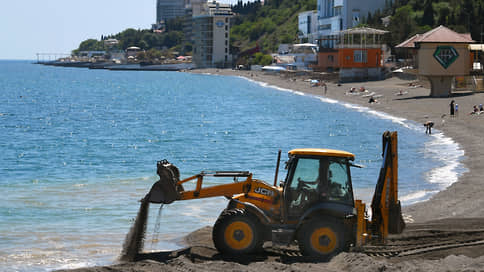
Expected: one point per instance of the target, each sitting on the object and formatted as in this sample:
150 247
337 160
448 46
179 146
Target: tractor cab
317 176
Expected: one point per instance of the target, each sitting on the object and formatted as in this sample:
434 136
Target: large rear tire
321 238
237 232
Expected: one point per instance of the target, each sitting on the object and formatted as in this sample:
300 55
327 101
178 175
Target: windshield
316 180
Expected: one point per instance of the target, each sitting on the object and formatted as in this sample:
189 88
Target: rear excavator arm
385 206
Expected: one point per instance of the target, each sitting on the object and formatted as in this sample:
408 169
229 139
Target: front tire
237 232
321 238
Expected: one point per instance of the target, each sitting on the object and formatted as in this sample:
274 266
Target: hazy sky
28 27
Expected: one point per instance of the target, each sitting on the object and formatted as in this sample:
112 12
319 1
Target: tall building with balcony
211 35
308 26
169 9
338 15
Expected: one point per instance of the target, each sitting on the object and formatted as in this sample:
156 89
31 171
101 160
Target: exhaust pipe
165 190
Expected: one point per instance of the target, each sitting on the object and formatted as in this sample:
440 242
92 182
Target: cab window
306 170
303 185
338 181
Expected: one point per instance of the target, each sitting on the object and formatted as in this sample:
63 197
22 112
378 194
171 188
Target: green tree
428 14
402 24
444 14
90 45
261 59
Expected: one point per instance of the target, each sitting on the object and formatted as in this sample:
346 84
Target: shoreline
461 198
439 139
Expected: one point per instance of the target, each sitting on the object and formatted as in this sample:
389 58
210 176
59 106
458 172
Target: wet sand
461 200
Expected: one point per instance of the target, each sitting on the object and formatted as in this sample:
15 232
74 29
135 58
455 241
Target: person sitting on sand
372 100
475 110
481 108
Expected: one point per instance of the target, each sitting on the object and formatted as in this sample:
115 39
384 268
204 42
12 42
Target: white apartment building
308 25
211 35
337 15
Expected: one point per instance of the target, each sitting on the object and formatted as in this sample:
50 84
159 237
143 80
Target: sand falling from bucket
134 241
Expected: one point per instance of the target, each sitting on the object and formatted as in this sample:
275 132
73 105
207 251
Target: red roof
440 34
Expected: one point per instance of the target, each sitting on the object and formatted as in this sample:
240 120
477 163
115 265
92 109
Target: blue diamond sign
445 55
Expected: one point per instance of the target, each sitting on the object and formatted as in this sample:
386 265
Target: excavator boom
169 188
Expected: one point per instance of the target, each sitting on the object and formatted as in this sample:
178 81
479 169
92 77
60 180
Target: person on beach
452 108
371 100
456 109
428 127
475 110
325 87
481 108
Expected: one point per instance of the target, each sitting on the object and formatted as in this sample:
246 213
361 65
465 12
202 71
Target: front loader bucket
166 190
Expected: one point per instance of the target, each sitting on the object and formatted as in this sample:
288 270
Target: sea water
79 149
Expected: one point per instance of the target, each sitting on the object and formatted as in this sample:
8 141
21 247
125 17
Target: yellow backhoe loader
314 206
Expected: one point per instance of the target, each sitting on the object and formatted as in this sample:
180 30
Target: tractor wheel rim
239 235
324 240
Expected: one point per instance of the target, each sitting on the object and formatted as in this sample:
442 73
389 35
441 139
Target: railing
363 45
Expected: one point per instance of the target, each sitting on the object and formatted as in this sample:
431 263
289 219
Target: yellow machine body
319 213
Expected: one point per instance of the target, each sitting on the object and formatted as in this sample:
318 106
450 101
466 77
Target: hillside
268 25
409 17
276 21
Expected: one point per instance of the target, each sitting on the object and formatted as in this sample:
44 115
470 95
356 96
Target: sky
28 27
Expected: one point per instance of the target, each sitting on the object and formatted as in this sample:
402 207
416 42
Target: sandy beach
457 207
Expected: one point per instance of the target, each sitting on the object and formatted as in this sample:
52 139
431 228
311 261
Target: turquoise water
79 149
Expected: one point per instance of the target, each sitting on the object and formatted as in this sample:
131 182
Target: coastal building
169 9
193 8
196 7
297 56
338 15
211 35
308 26
132 51
440 55
360 54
